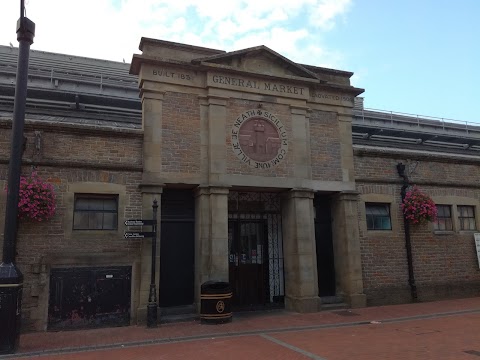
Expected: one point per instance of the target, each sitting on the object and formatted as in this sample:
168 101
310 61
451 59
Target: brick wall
445 264
325 146
68 157
181 133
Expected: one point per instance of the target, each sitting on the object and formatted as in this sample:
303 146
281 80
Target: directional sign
140 222
477 245
139 234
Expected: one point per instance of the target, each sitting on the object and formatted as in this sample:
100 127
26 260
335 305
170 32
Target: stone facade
205 96
209 124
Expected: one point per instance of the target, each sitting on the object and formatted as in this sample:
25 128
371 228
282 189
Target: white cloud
324 13
360 74
111 29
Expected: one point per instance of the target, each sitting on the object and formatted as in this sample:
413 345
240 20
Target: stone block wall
445 263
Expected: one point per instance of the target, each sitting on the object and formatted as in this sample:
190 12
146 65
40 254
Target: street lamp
152 296
11 278
406 225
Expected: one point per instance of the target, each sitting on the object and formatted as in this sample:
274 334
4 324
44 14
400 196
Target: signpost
140 234
152 296
140 222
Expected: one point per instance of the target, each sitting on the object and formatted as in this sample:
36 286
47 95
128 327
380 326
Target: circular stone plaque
259 139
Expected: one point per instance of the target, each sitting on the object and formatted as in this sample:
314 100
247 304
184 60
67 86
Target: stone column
152 107
211 236
149 193
301 280
346 247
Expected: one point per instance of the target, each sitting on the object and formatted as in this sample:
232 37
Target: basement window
378 216
95 212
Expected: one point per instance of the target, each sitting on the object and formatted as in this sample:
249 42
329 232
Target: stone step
178 314
167 319
334 306
178 310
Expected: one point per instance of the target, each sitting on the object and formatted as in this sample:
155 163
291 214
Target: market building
269 175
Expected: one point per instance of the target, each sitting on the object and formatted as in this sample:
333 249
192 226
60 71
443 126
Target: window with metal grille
466 217
378 216
444 218
95 212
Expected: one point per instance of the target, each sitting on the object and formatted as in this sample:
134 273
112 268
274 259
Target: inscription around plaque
259 139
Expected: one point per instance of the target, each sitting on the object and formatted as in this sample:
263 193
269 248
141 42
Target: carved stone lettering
269 87
165 73
332 97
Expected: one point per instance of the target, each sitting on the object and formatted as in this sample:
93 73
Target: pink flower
36 198
418 207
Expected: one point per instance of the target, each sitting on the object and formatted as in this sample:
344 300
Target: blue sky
411 56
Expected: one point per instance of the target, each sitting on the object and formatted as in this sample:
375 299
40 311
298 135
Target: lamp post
11 278
152 297
406 225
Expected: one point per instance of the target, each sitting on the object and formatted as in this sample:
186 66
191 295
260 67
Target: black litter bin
11 280
216 302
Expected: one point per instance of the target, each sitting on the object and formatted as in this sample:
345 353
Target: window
444 218
378 216
466 217
95 212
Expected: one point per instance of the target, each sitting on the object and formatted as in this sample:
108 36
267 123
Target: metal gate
255 249
89 297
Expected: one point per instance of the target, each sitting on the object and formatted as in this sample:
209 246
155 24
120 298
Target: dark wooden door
248 269
177 246
176 263
324 245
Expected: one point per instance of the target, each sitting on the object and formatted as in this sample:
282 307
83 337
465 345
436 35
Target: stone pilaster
149 193
301 142
346 147
301 280
346 242
152 107
217 156
211 236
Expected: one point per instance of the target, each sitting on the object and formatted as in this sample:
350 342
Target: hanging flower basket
418 207
36 200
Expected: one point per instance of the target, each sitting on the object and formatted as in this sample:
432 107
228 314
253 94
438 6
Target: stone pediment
261 60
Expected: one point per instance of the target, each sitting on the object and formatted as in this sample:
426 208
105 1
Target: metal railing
420 121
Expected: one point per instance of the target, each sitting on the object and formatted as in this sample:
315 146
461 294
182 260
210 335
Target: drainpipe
406 226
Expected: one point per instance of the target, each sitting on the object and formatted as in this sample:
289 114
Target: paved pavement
433 330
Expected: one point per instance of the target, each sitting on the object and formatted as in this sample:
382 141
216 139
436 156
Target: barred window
378 216
466 217
95 212
444 218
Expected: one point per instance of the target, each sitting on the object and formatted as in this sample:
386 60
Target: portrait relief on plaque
259 139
